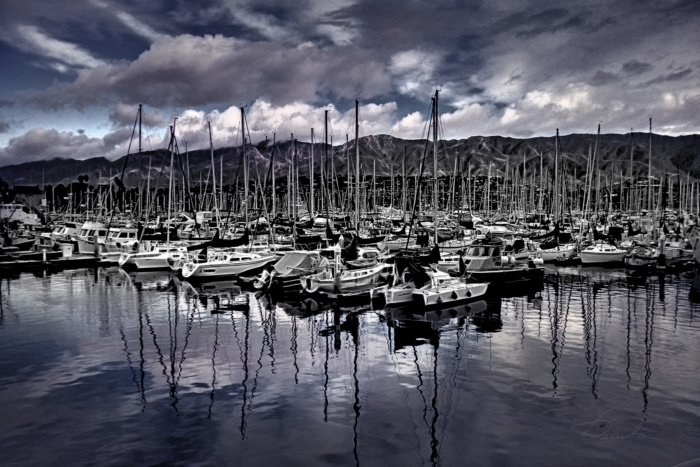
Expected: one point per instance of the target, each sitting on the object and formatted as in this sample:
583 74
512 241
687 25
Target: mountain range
384 155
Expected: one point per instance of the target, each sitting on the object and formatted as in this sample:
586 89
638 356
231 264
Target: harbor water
101 367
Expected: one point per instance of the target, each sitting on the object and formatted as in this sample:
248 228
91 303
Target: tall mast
374 184
311 178
650 205
326 176
357 166
631 174
556 176
403 183
245 168
295 188
170 186
435 173
140 128
274 192
213 177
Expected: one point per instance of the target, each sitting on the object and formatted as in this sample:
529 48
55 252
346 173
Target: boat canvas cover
292 261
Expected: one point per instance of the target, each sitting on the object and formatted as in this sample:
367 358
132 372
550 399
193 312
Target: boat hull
219 269
450 294
588 257
351 279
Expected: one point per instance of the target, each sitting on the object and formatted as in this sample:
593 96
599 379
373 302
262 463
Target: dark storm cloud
504 67
675 76
116 138
122 115
601 78
6 103
635 67
5 126
41 144
199 71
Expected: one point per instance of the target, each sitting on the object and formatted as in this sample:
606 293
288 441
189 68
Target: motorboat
488 263
602 253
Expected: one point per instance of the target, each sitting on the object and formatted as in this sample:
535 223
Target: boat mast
631 174
170 185
649 202
245 168
435 173
556 177
311 178
213 178
274 192
357 167
326 175
140 105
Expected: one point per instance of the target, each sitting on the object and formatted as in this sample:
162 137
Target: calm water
100 367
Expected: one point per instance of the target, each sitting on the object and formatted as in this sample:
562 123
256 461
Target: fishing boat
90 232
18 212
602 253
486 263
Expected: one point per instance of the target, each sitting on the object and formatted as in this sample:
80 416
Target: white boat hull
449 293
553 254
214 269
349 279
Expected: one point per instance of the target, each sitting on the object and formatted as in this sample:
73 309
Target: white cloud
137 26
414 71
62 54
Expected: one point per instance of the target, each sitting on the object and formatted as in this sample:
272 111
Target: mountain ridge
384 153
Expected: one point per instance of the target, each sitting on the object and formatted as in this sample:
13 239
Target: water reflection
455 379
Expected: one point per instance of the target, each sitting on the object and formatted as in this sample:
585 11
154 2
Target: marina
540 324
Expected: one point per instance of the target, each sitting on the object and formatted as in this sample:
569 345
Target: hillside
669 154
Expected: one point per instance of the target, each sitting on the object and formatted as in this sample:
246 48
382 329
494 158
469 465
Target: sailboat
223 263
158 256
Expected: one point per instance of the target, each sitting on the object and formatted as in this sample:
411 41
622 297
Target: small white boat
559 252
158 257
602 253
403 293
335 279
450 291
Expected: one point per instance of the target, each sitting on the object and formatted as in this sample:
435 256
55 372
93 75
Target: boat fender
538 261
504 259
439 300
308 283
469 294
454 295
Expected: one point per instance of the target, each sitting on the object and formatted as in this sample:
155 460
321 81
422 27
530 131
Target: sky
75 72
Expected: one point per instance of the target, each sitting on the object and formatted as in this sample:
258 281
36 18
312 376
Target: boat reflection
411 329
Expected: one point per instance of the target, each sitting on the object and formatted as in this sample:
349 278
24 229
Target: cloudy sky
75 71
